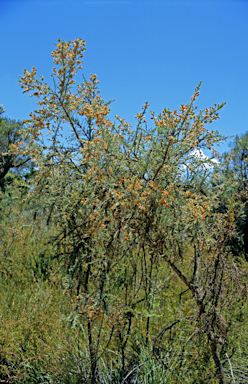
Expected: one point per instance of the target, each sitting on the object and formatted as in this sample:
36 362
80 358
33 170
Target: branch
229 357
163 330
22 163
70 120
162 164
229 361
180 275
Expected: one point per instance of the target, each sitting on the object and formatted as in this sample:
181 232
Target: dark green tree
10 135
235 169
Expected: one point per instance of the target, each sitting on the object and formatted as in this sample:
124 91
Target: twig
229 361
129 373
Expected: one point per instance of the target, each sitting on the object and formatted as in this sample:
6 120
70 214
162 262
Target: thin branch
229 361
163 330
162 164
71 122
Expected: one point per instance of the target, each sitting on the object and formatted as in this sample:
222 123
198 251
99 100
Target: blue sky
155 51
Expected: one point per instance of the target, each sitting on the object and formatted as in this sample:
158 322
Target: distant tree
10 136
234 171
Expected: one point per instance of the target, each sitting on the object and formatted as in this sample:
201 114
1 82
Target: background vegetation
123 250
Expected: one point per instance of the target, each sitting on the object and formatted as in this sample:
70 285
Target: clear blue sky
155 51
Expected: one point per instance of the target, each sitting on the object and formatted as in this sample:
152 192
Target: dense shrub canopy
130 220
